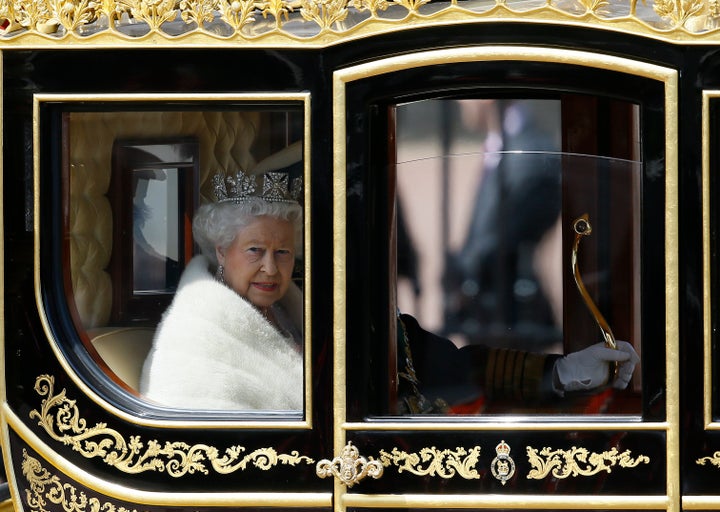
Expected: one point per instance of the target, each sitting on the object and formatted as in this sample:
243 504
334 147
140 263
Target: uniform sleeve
518 375
466 374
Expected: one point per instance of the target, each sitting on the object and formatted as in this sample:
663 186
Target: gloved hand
590 368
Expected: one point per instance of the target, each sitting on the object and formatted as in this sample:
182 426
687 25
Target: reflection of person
436 376
494 283
232 340
152 271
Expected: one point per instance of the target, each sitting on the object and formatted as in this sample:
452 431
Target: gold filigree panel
434 462
324 22
578 462
61 419
44 488
462 462
713 459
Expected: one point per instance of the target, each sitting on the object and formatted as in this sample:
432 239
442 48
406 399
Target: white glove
589 368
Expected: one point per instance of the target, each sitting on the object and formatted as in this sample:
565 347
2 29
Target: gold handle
350 467
582 228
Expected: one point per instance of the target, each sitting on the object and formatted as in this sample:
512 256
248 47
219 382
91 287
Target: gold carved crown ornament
275 188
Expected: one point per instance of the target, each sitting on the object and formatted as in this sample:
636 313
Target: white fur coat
215 351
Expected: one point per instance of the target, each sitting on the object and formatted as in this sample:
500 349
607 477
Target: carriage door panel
701 455
472 218
113 180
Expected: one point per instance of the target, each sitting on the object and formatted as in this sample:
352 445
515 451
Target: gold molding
433 462
322 23
708 96
44 487
222 422
509 501
61 419
341 78
578 462
539 423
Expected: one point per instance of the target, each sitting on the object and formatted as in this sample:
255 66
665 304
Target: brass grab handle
350 467
582 228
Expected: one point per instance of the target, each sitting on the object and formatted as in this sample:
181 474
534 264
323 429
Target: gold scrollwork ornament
578 461
714 459
44 487
350 467
434 462
502 466
60 418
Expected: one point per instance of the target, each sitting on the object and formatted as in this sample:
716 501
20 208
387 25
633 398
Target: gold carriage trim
578 462
435 462
60 418
350 467
714 459
324 22
45 487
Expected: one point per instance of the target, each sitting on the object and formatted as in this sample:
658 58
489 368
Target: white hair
217 224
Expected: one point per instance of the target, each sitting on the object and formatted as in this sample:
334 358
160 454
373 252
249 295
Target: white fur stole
213 350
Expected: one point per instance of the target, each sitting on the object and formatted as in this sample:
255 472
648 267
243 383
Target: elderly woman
231 339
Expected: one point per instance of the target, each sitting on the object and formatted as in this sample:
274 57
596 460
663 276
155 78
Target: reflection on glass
155 229
485 228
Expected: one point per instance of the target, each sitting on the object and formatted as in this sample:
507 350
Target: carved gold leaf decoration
237 13
72 15
714 459
60 418
255 21
678 11
45 487
374 6
713 8
435 462
152 12
33 14
324 13
411 5
594 6
278 9
197 11
578 461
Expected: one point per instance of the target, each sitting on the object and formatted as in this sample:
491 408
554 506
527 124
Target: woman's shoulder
198 269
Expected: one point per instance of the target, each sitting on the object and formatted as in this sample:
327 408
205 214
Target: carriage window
184 233
517 242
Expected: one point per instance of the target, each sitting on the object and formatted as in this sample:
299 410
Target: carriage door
496 209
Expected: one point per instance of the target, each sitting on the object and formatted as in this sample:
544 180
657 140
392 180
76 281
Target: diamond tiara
241 187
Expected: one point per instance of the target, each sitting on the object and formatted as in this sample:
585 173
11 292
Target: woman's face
258 264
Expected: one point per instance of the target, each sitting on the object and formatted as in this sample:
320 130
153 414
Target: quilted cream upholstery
123 349
225 140
90 239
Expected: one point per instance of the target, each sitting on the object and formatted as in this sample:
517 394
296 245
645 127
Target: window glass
513 252
184 234
155 232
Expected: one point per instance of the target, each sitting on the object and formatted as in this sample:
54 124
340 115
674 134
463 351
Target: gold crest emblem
502 466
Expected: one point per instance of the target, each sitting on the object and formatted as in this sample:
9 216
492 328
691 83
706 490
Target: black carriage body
74 431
